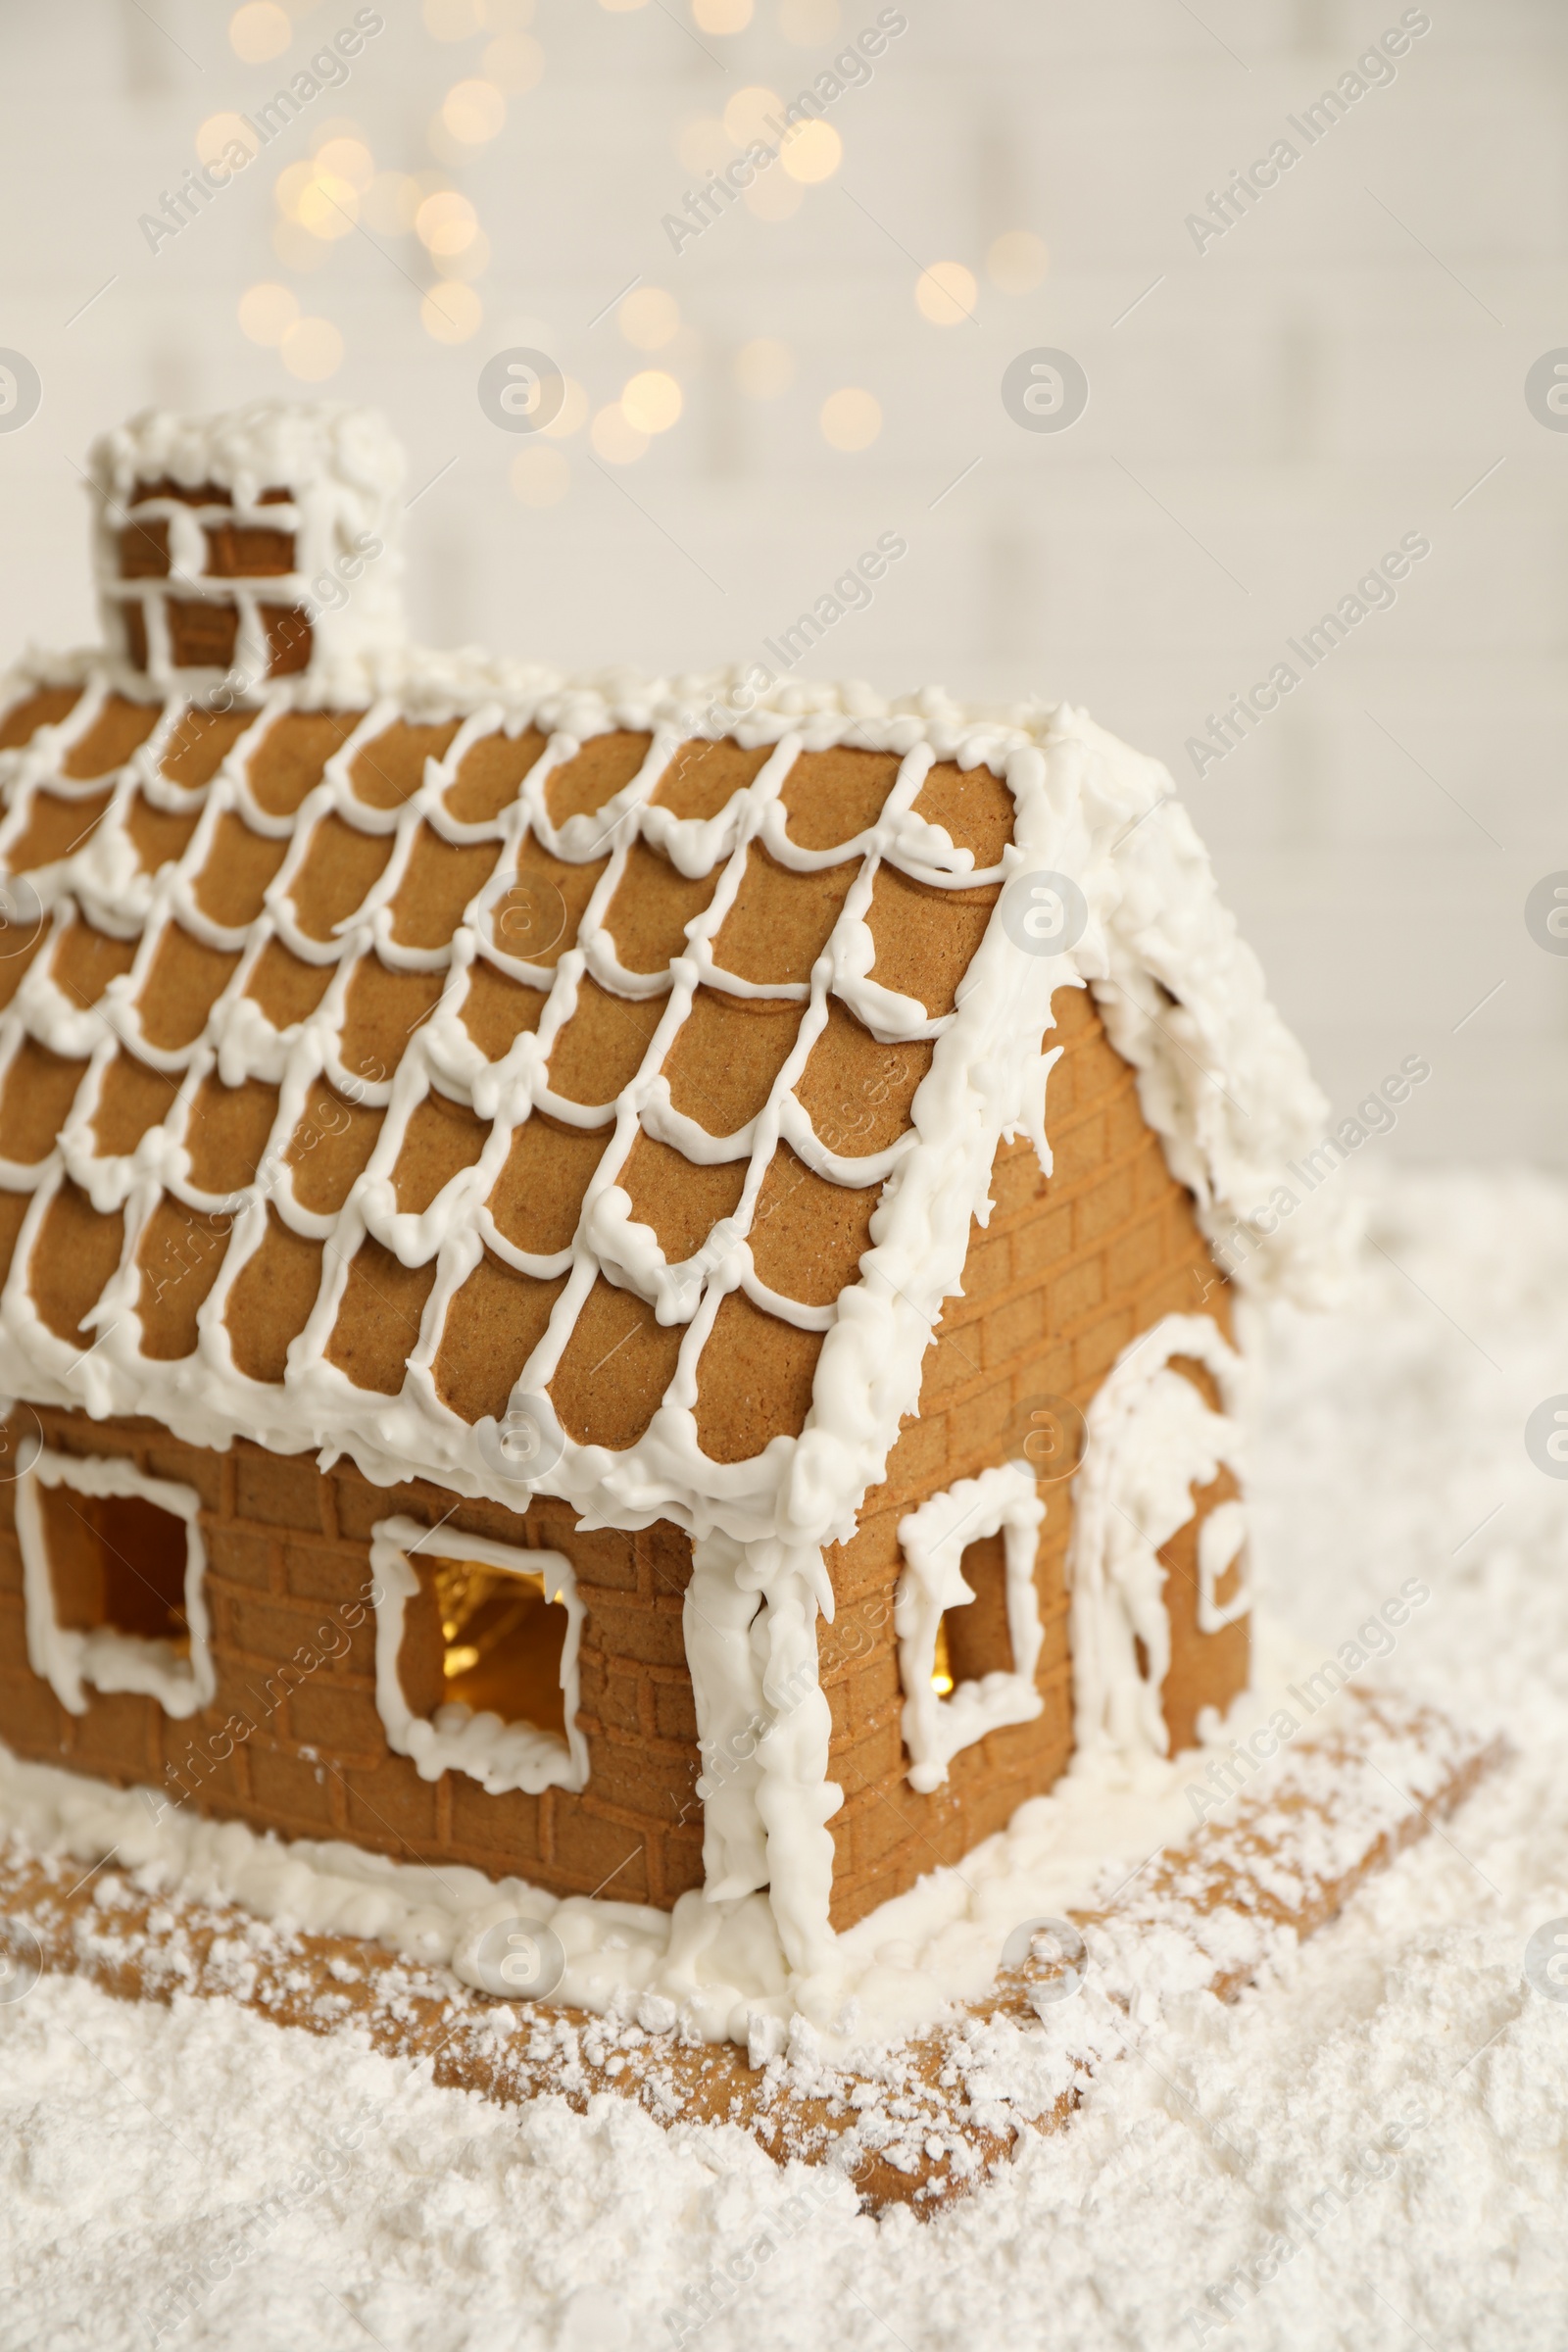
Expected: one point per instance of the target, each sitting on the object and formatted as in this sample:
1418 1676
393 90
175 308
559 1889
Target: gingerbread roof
417 1040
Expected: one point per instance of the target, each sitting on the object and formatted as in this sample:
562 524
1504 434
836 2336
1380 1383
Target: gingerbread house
608 1280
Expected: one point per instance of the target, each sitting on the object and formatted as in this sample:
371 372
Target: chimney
250 547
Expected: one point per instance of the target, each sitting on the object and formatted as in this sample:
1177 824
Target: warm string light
649 318
259 32
945 294
808 152
473 112
811 153
652 401
748 114
323 200
942 1662
851 419
446 222
223 130
266 312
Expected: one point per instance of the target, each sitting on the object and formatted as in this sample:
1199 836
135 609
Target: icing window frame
1005 1501
106 1659
500 1758
1132 1493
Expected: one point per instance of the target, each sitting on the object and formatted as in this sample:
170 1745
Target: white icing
1218 1078
932 1539
498 1756
721 1964
343 470
106 1658
1221 1545
1151 1437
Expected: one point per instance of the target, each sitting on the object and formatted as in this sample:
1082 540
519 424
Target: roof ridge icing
1220 1079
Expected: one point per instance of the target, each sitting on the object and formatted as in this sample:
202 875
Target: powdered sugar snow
1365 2148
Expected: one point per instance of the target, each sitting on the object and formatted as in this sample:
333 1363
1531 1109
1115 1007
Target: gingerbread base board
919 2126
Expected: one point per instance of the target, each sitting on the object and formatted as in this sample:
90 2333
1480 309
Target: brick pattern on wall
1066 1273
294 1742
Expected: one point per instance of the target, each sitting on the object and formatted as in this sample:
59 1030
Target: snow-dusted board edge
918 2125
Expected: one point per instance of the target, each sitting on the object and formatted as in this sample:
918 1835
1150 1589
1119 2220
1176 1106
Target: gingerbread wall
299 1747
1067 1272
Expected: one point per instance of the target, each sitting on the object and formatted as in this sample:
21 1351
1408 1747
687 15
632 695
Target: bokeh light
945 294
472 112
813 152
392 203
289 186
450 313
1017 261
851 418
615 438
722 15
446 222
347 159
219 131
540 475
746 115
267 311
312 349
648 318
259 30
765 368
327 207
652 401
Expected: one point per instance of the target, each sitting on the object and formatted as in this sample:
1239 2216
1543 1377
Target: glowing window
476 1658
968 1617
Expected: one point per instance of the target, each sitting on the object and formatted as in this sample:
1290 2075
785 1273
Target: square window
476 1658
976 1638
968 1617
113 1564
502 1638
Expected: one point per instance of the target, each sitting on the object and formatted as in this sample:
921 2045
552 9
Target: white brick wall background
1340 367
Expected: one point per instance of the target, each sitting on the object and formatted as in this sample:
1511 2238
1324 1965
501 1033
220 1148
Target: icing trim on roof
1220 1079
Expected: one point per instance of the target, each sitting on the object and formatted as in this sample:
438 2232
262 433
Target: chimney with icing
251 546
